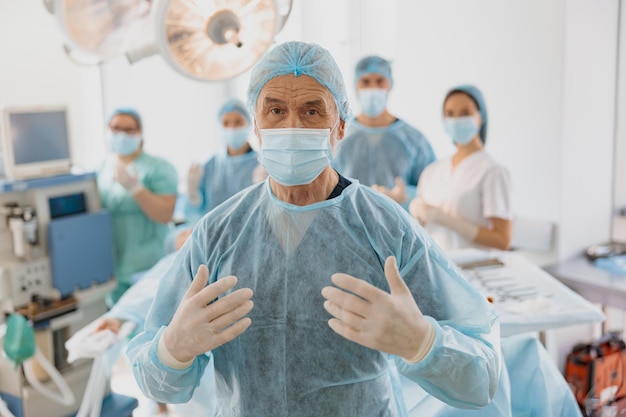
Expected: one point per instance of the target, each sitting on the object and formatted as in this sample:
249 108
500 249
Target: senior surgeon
380 149
341 276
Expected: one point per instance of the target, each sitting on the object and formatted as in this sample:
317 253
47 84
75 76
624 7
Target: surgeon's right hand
202 322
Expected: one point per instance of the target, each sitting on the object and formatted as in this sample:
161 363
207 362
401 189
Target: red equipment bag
596 370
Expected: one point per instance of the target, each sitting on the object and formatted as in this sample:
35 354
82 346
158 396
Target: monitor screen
67 205
35 142
39 136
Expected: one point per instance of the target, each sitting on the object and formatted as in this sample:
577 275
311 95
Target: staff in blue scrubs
380 149
229 171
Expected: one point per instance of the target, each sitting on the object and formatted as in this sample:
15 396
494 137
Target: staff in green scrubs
139 190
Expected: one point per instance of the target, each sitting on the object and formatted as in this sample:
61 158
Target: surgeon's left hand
388 322
397 192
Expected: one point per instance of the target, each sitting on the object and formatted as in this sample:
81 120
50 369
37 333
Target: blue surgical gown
224 176
538 389
289 362
530 386
138 239
377 155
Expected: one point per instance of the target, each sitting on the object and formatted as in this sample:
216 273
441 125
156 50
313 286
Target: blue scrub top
224 176
379 155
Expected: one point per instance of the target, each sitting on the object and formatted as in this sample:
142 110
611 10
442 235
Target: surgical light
206 40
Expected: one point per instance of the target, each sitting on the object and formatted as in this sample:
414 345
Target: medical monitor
35 142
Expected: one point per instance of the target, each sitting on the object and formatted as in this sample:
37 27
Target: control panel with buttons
23 280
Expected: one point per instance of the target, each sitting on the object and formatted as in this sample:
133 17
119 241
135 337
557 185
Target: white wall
588 132
35 71
512 51
179 114
619 180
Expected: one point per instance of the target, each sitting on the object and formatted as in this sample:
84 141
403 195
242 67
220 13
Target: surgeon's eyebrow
267 101
315 103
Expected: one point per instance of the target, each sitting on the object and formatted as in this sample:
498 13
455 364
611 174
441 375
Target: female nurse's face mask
235 137
373 101
124 144
295 156
461 129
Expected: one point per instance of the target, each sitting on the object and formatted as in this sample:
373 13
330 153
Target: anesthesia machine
56 267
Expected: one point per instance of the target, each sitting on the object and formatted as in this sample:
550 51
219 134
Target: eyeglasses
128 130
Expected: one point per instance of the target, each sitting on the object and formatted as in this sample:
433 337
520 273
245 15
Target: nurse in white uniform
465 200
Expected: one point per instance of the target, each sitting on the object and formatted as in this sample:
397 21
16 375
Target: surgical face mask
235 137
295 156
461 129
373 101
123 144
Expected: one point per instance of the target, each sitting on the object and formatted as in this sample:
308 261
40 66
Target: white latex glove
388 322
110 323
127 176
259 174
419 209
93 340
200 323
430 214
194 176
397 192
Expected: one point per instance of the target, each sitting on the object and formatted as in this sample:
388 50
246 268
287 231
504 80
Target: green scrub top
138 240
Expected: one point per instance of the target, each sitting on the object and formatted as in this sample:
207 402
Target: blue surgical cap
128 111
234 105
300 58
373 65
475 94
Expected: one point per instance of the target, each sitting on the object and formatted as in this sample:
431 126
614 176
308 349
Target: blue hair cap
300 58
478 98
234 105
373 64
128 111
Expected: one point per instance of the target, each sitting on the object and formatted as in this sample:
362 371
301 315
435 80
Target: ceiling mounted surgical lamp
206 40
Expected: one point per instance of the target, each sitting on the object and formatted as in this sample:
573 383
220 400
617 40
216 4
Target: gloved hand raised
388 322
425 213
193 183
202 323
397 192
259 174
420 210
127 176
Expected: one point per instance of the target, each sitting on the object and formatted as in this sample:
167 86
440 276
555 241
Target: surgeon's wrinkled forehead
296 93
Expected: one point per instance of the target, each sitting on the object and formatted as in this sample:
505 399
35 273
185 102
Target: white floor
123 382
